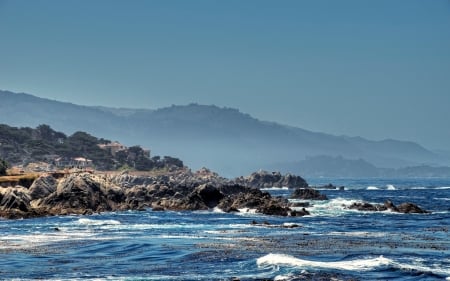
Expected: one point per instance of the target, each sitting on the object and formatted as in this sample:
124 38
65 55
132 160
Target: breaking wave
352 265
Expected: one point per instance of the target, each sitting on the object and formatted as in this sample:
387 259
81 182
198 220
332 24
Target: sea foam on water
353 265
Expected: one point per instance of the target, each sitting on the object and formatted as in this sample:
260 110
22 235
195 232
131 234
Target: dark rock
410 208
209 194
264 179
308 194
330 186
301 213
299 204
367 207
406 208
42 187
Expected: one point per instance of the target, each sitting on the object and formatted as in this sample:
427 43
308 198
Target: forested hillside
20 146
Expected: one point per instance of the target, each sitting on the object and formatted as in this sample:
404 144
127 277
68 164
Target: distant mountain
329 166
223 139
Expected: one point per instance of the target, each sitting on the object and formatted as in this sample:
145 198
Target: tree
3 167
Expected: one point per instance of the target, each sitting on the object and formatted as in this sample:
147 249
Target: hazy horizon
375 69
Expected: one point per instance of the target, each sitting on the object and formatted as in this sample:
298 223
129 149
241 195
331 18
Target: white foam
85 221
390 187
247 211
372 188
218 210
443 198
333 207
443 187
355 265
275 188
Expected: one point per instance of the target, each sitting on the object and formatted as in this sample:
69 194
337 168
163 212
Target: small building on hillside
70 162
113 147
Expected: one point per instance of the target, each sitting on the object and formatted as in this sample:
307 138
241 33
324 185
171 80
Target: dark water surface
331 244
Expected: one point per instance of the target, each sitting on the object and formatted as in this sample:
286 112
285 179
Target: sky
378 69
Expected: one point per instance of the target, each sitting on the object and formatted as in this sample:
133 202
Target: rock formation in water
264 179
86 193
406 208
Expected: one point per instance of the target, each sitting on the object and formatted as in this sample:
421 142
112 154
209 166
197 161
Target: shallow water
331 243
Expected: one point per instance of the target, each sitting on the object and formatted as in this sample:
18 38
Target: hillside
223 139
22 146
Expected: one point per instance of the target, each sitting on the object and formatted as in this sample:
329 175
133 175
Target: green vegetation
20 146
3 167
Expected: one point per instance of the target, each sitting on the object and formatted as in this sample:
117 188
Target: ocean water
331 244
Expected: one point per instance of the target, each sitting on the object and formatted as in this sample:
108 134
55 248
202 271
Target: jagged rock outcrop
42 187
86 193
308 194
82 194
264 179
406 208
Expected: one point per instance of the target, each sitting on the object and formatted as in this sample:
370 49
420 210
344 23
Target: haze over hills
223 139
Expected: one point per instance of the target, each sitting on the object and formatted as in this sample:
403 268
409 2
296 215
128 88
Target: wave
390 187
372 188
334 207
85 221
352 265
443 187
274 188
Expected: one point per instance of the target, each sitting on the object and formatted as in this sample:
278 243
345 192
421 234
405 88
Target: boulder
308 194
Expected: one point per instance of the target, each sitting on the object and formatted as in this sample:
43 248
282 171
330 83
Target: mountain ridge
224 139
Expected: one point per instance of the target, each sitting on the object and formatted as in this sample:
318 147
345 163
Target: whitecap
441 198
247 211
443 187
218 210
85 221
334 207
355 265
275 188
372 188
390 187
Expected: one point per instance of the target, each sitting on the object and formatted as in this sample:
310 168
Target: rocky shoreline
181 190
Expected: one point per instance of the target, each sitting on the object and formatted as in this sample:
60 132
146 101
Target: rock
406 208
273 208
80 193
17 198
209 194
301 213
42 187
367 207
299 204
308 194
390 206
330 186
264 179
410 208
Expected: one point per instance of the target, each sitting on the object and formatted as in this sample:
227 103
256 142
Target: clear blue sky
379 69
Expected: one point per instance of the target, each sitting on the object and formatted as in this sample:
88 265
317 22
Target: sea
333 243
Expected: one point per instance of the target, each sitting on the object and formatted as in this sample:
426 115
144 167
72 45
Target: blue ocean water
211 245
